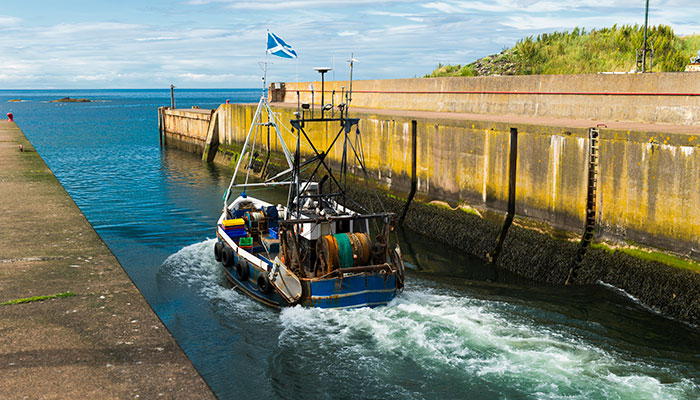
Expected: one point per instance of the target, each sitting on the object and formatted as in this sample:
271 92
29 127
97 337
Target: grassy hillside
579 52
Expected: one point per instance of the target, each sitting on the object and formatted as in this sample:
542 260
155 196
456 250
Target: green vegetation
579 52
663 258
37 298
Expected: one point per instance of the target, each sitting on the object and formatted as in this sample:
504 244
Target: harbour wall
664 97
98 338
187 128
647 191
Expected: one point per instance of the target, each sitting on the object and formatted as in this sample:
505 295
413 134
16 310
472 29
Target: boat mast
298 190
262 105
348 94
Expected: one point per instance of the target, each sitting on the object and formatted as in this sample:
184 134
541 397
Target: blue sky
217 43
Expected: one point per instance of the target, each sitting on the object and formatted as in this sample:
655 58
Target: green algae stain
664 258
37 298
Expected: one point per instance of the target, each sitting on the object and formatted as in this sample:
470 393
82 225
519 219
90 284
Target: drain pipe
414 179
512 163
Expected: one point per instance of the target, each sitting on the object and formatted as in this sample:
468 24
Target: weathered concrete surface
105 342
187 126
535 97
649 174
649 181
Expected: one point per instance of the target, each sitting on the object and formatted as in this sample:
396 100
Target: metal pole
172 96
323 84
160 126
414 181
352 64
644 49
512 164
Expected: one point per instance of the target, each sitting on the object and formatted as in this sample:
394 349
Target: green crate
245 241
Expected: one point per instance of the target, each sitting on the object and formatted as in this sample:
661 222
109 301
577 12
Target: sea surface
460 330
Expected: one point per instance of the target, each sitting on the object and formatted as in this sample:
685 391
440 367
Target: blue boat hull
351 291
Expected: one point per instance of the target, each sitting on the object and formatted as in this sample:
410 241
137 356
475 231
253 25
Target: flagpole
297 77
278 47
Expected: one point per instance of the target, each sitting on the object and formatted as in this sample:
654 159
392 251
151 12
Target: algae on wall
648 189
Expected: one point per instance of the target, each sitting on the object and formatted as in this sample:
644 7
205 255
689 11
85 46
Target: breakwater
646 190
100 338
664 97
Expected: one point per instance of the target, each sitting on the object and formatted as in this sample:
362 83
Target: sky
47 44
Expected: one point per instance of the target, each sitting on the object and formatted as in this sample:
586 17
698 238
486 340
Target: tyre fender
242 270
263 282
218 248
227 257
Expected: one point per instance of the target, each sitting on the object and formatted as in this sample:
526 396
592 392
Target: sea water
461 329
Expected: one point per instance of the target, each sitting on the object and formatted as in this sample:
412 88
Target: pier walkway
527 120
105 341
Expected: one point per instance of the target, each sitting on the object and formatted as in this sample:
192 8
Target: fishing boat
322 249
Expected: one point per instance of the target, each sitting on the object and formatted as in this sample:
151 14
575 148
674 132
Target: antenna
348 94
322 71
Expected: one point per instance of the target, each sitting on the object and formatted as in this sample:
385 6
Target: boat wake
195 267
452 344
431 342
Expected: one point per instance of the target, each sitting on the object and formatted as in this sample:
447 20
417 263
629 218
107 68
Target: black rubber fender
227 257
242 271
218 247
263 282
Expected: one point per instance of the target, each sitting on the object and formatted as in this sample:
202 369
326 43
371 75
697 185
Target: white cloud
317 5
217 43
444 7
521 6
8 21
157 39
217 77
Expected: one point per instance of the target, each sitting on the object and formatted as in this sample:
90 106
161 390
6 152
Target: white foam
196 267
630 297
444 333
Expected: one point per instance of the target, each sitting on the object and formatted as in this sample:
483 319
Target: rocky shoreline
70 100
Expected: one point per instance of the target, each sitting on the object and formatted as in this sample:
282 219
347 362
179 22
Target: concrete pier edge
103 342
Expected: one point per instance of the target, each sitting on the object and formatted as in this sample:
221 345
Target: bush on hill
578 52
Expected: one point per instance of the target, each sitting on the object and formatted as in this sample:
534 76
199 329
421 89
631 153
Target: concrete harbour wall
665 97
648 188
102 340
186 127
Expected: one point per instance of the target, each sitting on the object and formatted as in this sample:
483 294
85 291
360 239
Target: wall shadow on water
602 310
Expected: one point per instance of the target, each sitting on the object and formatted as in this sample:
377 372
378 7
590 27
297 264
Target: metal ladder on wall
589 227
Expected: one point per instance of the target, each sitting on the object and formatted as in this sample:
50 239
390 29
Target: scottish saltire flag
277 47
